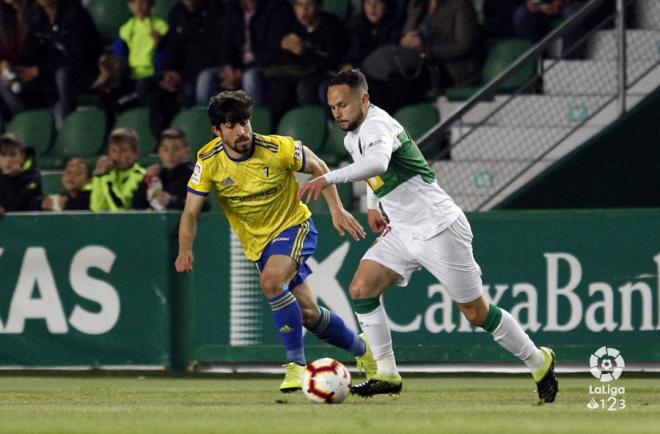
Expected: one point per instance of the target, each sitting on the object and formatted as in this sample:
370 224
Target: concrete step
641 45
647 14
515 144
475 178
589 77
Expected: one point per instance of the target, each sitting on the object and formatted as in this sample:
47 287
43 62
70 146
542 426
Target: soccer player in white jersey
426 229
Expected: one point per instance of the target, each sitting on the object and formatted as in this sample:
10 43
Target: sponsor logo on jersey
197 174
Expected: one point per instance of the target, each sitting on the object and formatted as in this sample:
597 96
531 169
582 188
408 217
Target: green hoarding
576 280
85 290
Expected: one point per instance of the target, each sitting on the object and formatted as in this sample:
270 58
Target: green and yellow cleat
546 380
379 384
366 362
292 378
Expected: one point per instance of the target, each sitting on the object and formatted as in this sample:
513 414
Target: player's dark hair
231 106
10 142
174 134
353 78
125 135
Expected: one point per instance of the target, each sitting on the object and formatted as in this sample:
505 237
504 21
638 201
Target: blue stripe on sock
332 329
288 324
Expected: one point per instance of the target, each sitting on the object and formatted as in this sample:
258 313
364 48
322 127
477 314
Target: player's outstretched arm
188 232
341 219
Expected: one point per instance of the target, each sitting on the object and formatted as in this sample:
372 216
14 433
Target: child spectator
77 184
136 47
117 175
164 185
20 180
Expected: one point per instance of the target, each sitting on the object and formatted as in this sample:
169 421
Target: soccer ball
326 381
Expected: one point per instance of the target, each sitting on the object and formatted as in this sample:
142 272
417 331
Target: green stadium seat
345 191
162 8
195 123
51 182
82 135
262 120
35 127
340 8
418 119
138 120
500 56
334 151
306 124
108 17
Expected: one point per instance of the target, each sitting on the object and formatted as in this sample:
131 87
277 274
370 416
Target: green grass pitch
226 404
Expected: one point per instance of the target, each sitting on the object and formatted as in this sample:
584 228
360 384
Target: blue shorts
298 242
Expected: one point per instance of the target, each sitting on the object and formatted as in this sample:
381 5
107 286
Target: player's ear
216 131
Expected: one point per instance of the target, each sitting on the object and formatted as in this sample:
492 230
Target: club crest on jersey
228 181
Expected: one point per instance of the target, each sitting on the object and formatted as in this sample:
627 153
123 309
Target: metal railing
462 128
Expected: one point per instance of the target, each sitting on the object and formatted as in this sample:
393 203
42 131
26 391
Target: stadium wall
99 290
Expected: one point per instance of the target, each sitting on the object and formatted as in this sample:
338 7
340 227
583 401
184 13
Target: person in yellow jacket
118 174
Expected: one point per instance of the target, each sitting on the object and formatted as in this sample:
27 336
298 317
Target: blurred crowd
281 52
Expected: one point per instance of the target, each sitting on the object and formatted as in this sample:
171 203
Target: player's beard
242 145
352 125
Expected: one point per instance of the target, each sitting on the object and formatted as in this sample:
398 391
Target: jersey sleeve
377 137
293 154
200 181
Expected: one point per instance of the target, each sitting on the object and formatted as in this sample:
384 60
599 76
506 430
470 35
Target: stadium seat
262 120
500 56
35 127
82 135
334 151
162 8
340 8
418 119
108 17
306 124
51 182
345 191
195 123
138 120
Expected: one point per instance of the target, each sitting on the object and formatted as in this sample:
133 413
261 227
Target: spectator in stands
498 18
315 45
77 184
60 60
118 174
446 38
250 43
20 179
164 185
377 25
135 50
533 20
14 18
191 46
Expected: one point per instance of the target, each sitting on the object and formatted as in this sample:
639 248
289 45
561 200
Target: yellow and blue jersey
258 192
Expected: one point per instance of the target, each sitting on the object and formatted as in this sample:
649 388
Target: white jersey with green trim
408 190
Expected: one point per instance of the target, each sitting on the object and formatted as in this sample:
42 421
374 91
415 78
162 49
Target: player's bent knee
271 285
359 290
310 316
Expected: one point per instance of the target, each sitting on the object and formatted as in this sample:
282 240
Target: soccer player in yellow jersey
254 177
